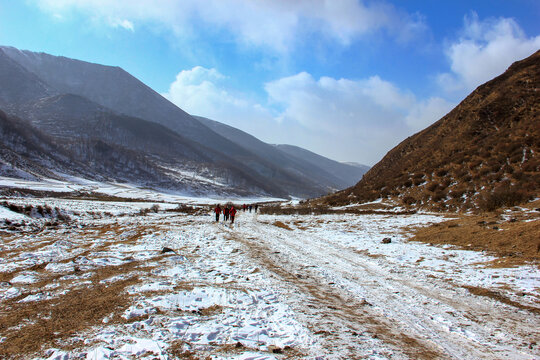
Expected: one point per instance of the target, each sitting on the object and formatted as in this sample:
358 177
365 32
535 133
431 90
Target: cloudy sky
348 79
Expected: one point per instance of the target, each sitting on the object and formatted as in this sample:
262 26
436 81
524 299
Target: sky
347 79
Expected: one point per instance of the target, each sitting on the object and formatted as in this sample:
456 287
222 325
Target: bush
503 195
409 200
441 172
438 196
432 186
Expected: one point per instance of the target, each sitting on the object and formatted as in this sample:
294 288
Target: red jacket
232 212
217 210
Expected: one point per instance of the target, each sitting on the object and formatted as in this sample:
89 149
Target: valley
114 279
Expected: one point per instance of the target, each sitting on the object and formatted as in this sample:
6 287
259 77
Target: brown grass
279 224
518 243
29 326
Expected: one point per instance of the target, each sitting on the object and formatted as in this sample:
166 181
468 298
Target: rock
386 240
166 250
274 349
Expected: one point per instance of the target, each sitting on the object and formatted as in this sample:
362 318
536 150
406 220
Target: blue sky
348 79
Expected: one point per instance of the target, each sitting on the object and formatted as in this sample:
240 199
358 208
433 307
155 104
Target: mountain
484 154
87 110
349 174
315 169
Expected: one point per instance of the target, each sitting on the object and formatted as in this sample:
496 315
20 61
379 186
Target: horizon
323 77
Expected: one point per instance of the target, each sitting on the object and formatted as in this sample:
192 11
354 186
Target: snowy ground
269 287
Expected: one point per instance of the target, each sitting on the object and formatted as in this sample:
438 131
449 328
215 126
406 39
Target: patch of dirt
479 291
211 310
368 254
281 225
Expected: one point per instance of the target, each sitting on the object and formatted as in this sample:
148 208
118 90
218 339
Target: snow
326 288
123 190
6 214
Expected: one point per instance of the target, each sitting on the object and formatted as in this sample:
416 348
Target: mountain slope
85 97
349 174
301 170
18 84
119 91
483 154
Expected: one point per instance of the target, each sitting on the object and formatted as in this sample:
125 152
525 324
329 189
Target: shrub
457 193
474 164
508 169
409 200
503 195
441 172
432 186
438 196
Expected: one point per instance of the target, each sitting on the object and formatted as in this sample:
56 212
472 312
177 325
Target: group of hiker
229 212
250 207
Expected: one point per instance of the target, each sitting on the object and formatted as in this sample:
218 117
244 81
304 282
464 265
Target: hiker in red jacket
232 213
226 213
217 210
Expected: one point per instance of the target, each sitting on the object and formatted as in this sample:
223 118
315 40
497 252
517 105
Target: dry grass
279 224
514 243
28 326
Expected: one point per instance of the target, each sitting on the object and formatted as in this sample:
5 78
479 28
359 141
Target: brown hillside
484 154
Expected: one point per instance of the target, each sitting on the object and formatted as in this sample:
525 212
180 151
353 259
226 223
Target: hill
482 155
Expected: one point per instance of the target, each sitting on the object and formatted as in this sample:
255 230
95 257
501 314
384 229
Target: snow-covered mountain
101 118
293 159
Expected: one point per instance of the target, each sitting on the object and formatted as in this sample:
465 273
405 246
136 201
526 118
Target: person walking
217 210
226 213
232 212
250 207
256 207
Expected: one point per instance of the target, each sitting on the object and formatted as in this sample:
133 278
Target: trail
358 303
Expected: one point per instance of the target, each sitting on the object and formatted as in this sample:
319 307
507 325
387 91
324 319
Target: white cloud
332 104
125 24
485 49
277 24
341 118
204 92
362 118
